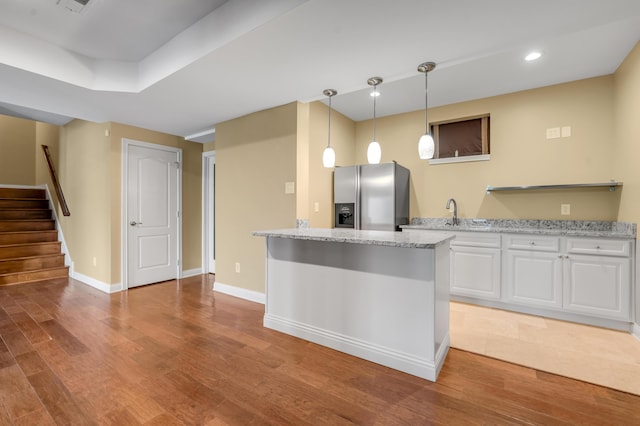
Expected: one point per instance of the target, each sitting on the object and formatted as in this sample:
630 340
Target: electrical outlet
238 267
565 209
566 131
95 261
316 207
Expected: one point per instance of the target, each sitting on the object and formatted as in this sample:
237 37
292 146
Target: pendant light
426 146
374 152
329 155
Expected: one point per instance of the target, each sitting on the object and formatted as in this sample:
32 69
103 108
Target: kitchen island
379 295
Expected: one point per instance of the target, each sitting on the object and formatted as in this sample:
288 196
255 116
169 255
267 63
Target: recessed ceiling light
532 56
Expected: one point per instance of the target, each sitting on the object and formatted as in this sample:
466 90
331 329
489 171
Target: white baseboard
92 282
420 367
191 272
636 331
242 293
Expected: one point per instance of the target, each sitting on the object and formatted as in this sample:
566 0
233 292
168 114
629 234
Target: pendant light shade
329 155
329 158
374 152
426 145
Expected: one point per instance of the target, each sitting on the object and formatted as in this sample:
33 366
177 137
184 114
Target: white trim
420 367
242 293
123 197
205 202
92 282
463 159
636 331
64 248
191 272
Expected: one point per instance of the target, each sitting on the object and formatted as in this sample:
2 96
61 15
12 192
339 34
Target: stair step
23 193
29 246
22 214
27 225
13 251
25 264
31 276
23 203
26 237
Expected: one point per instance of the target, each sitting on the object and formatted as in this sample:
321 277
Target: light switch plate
566 131
289 187
565 209
553 133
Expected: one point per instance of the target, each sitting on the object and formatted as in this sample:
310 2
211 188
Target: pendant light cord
375 95
329 133
426 102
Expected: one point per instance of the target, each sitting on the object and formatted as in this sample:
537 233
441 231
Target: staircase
29 246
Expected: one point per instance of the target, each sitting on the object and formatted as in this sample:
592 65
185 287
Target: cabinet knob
533 243
597 247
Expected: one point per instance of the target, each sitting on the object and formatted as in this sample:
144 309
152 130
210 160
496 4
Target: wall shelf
611 185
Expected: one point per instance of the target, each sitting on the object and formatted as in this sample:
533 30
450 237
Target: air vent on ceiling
77 6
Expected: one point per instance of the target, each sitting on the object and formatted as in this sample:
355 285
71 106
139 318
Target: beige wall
320 178
255 156
17 151
520 154
85 178
627 149
627 134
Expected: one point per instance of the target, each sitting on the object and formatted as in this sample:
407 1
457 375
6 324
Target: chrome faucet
454 220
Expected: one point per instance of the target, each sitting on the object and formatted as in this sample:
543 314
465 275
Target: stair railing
56 183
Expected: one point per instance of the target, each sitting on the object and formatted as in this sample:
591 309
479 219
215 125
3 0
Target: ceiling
182 66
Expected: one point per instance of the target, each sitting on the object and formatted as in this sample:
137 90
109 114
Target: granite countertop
577 228
380 238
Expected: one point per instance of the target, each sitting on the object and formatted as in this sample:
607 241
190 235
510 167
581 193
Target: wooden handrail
56 183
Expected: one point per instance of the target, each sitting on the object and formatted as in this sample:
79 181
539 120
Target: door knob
134 223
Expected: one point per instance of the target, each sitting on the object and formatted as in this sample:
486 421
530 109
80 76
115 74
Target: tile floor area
596 355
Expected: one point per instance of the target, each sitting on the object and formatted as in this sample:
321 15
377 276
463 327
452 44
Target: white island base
387 303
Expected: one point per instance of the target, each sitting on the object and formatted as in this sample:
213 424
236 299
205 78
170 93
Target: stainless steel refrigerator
371 197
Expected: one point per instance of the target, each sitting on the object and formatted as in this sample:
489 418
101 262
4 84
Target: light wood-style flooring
597 355
178 353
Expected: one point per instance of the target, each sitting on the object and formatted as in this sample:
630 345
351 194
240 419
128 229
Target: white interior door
208 213
151 214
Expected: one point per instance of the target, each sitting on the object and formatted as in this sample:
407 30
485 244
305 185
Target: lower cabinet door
598 285
475 272
534 278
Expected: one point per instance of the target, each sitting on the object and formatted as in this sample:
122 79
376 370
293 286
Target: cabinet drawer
532 243
476 239
602 247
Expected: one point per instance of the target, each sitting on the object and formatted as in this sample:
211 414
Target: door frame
208 158
124 270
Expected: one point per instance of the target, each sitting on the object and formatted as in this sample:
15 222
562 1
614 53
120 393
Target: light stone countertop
575 228
426 240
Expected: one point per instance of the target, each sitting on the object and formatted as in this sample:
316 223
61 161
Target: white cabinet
534 278
533 271
598 279
581 279
576 275
475 265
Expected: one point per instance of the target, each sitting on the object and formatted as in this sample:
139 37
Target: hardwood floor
178 353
